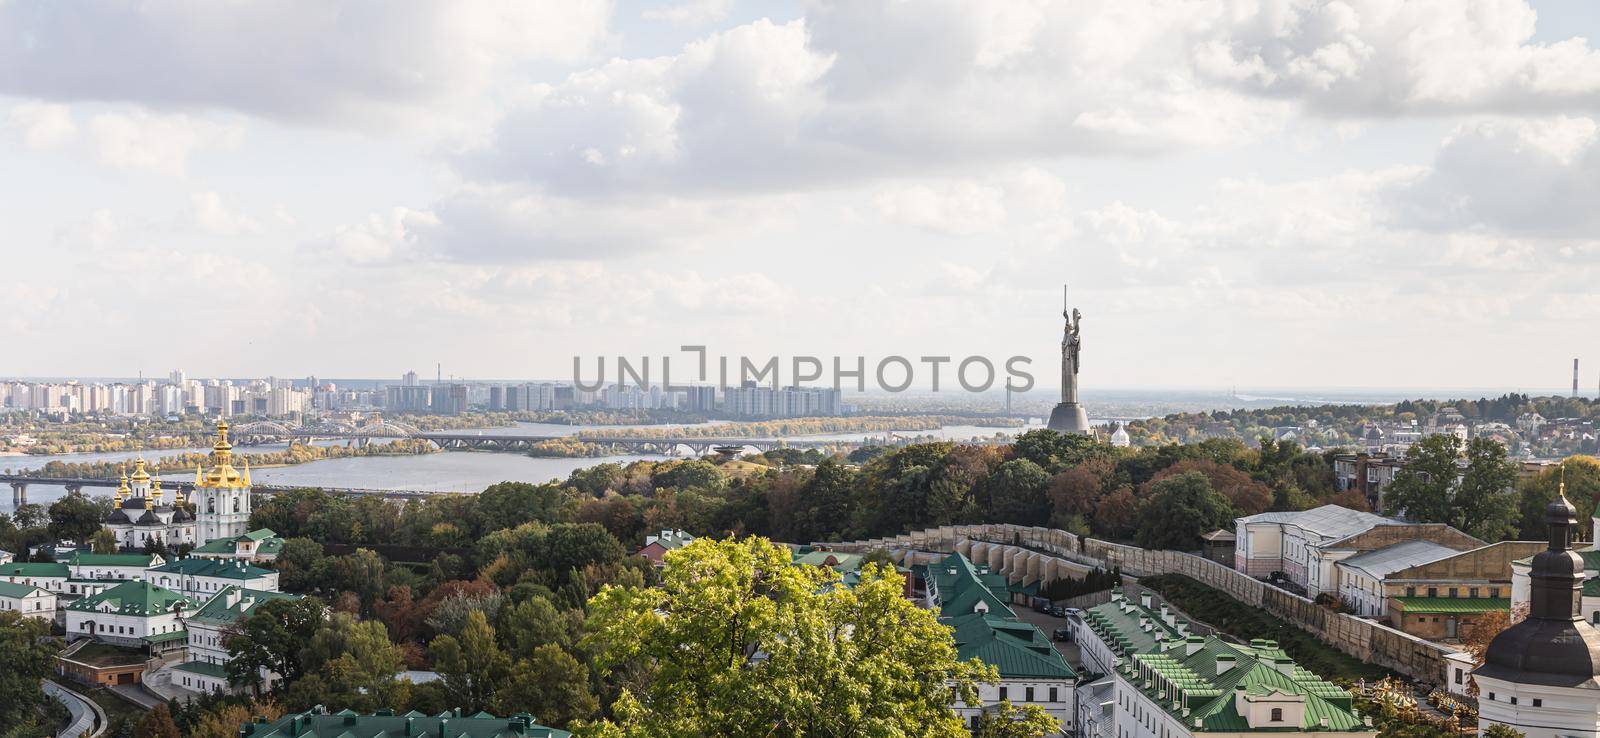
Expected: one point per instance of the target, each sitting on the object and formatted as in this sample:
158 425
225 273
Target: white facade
1539 711
32 602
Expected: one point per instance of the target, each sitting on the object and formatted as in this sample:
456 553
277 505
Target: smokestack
1574 377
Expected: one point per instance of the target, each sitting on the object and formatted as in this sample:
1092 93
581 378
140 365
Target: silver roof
1382 562
1329 521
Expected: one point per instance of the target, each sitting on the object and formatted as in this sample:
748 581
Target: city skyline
1289 196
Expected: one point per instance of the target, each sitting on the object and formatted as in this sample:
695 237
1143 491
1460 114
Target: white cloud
156 142
360 61
957 208
210 214
1523 177
42 125
691 13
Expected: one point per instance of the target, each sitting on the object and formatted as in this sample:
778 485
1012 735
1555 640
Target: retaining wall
1025 553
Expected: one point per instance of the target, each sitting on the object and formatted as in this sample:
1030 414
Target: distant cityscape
276 397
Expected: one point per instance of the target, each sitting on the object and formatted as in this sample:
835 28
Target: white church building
1541 676
221 501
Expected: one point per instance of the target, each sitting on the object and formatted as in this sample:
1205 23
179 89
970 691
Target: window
1411 591
1433 591
1458 676
1053 694
1452 591
1028 695
1538 702
1472 591
1002 693
1494 591
1513 700
1277 714
1491 696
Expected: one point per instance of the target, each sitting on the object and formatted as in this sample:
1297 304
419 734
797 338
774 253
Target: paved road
84 712
1048 624
138 695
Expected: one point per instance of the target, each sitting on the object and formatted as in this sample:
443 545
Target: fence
1367 640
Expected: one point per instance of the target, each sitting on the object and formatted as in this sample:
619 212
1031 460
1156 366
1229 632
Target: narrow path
88 721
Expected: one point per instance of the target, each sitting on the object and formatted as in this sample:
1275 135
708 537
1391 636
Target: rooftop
1328 521
1452 605
140 560
8 589
35 570
962 587
1382 562
199 567
318 723
232 603
1016 649
134 598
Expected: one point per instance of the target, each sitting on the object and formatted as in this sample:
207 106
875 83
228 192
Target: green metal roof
198 567
177 635
267 542
7 589
317 723
1453 605
1190 687
843 561
232 603
140 560
1180 673
203 668
135 598
961 585
34 570
1016 649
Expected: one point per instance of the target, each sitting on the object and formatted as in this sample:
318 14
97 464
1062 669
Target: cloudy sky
1253 192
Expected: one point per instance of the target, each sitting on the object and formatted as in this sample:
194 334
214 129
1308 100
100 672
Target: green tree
1499 730
272 638
1582 477
1017 493
75 517
31 515
576 545
1179 510
103 542
363 673
1434 488
833 661
1006 720
472 666
27 654
549 683
1485 505
1055 451
1422 489
532 623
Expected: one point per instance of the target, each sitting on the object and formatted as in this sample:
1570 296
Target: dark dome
133 503
118 516
182 516
1554 645
1562 653
149 518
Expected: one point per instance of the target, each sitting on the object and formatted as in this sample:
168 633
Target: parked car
1062 634
1058 611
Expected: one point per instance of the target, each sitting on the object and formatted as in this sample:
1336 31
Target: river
445 472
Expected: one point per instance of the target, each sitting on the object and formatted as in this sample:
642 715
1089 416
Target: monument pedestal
1069 417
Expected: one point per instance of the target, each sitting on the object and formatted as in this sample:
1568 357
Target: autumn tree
1246 495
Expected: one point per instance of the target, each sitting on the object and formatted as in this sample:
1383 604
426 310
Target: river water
444 472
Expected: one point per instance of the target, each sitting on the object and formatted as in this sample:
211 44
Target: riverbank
294 455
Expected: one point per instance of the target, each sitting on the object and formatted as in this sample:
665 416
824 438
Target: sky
1263 193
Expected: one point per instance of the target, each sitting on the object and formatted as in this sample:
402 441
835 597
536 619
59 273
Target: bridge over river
19 487
247 434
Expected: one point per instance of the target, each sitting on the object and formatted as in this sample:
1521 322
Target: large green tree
75 517
1582 477
474 667
272 637
1179 510
27 653
1466 485
740 642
